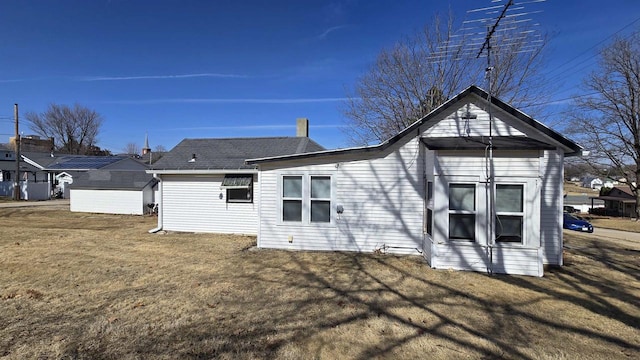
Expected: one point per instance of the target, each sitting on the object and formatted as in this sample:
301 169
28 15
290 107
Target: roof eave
200 171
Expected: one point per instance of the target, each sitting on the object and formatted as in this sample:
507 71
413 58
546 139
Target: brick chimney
302 127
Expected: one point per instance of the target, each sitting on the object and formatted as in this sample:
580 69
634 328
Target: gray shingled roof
230 154
43 159
10 165
112 180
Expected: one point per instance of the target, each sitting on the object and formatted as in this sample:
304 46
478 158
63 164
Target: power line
564 74
559 100
596 45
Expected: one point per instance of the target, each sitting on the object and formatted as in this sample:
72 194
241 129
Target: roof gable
449 119
230 153
621 191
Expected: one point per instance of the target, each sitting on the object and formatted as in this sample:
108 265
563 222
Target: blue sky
193 69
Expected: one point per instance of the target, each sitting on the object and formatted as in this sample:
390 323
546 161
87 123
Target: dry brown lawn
86 286
572 188
624 224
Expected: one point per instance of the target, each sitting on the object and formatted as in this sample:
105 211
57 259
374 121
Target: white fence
28 190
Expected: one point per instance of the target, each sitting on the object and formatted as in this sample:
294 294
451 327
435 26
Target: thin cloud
248 127
23 80
330 30
225 101
160 77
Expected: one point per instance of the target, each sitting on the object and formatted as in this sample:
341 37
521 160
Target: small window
239 195
509 213
462 208
239 188
292 198
429 204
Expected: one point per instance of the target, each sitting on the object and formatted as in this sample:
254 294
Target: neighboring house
205 185
113 192
592 183
583 203
427 191
619 201
65 168
33 181
42 173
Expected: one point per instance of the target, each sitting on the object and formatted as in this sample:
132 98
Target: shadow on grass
353 291
320 305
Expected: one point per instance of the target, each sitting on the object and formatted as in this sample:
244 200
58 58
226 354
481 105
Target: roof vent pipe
193 158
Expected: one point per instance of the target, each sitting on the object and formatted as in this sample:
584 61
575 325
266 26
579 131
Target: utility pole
16 181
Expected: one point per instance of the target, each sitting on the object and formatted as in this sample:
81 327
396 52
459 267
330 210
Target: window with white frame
320 198
292 198
306 198
462 212
509 213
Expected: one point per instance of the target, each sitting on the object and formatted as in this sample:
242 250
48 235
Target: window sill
301 224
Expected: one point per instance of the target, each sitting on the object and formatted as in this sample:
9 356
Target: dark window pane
462 226
509 198
320 211
462 197
239 195
320 187
509 228
429 190
292 210
429 221
292 186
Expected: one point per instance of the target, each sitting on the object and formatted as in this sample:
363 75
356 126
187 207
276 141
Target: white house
593 183
206 186
127 192
430 190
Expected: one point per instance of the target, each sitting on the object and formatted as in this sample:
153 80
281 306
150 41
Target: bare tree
422 71
608 119
74 129
132 149
160 148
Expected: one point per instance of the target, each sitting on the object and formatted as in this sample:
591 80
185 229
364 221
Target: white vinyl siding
128 202
551 174
382 200
384 196
506 163
198 204
455 125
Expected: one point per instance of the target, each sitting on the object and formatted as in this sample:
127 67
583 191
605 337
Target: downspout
159 227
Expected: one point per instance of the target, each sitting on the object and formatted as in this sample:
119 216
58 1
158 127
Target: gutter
201 172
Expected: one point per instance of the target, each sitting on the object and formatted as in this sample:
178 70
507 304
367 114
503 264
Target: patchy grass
571 188
86 286
624 224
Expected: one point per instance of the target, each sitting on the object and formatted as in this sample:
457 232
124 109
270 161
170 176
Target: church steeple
146 149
